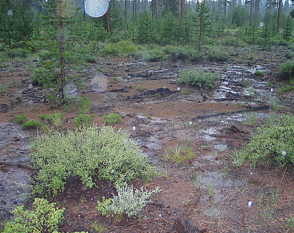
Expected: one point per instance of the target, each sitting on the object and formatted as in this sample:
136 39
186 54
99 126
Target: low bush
151 55
55 119
112 119
272 145
287 88
83 120
87 153
20 119
218 56
126 202
259 73
287 70
32 124
179 154
198 78
44 218
122 48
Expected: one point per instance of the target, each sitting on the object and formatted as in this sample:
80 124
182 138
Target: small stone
160 215
178 89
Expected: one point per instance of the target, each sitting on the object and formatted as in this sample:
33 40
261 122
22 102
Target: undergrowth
88 153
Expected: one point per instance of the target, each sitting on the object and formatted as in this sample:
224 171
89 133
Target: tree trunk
126 11
62 65
279 15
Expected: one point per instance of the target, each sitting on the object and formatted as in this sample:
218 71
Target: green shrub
198 78
44 218
112 118
183 53
20 119
46 75
84 105
87 153
259 73
272 145
179 154
84 120
122 48
127 202
218 55
2 89
151 55
287 70
287 88
32 124
55 119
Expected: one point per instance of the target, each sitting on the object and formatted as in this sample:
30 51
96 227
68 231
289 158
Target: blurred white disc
99 83
66 8
96 8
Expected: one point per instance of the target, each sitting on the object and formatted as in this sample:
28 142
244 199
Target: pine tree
288 29
145 32
202 22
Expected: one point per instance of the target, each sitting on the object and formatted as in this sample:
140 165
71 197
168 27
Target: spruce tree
202 22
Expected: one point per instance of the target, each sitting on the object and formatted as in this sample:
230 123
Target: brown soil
225 210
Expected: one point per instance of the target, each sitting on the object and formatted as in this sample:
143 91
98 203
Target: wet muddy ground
161 115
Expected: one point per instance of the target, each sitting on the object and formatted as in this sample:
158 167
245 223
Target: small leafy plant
287 70
20 119
112 119
198 78
259 73
32 124
127 202
217 55
44 218
56 119
272 145
179 154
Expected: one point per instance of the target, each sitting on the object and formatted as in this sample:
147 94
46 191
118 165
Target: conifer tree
145 32
202 22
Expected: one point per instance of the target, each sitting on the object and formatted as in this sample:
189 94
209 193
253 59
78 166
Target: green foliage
287 88
44 218
127 202
290 222
145 32
151 55
259 73
87 153
112 119
198 78
32 124
83 120
183 53
287 32
84 105
2 89
217 55
272 144
202 22
20 119
287 70
122 48
50 117
46 74
179 154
